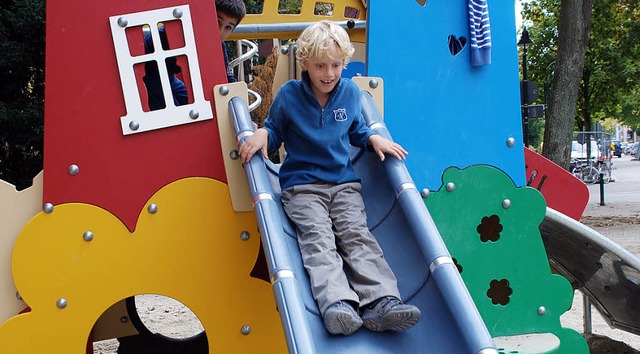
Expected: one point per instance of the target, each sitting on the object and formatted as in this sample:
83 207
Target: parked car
633 150
625 147
617 148
579 151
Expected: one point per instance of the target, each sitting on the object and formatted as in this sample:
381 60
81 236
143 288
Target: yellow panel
377 93
16 208
236 178
189 250
270 15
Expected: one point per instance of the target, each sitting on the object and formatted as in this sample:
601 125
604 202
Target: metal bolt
177 13
193 114
425 193
124 319
61 303
47 208
224 90
451 186
133 125
87 236
542 310
73 170
122 22
244 235
506 203
245 330
373 83
234 155
511 142
152 208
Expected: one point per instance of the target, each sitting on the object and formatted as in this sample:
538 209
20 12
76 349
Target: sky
518 17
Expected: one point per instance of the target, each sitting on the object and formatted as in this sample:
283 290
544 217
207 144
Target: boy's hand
257 141
383 146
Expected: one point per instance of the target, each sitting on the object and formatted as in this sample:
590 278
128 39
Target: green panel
490 227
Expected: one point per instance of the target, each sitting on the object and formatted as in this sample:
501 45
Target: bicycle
585 171
604 168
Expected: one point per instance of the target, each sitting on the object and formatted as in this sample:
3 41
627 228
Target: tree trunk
573 37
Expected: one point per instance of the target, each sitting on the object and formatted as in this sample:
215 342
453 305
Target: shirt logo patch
340 114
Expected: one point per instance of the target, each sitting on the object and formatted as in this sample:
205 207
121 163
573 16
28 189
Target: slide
605 272
398 217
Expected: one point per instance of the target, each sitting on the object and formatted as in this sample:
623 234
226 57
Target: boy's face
324 72
226 25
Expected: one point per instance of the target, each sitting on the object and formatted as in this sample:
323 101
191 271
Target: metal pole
601 189
241 65
586 303
525 113
524 63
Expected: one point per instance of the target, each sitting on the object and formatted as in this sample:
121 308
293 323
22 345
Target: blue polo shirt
317 140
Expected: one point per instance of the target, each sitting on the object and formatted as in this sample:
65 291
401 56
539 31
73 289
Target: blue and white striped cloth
480 32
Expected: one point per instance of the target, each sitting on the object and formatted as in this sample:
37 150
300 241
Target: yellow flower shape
74 263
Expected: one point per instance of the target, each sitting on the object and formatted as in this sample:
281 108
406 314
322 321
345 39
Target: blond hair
316 40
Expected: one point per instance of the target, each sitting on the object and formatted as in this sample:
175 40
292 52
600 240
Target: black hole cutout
489 228
458 266
499 292
456 44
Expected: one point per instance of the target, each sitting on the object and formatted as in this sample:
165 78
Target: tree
22 30
573 37
610 68
607 86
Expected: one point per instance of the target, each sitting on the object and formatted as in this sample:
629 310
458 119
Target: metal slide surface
413 247
607 273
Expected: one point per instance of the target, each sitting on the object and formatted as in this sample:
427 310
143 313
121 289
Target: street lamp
524 41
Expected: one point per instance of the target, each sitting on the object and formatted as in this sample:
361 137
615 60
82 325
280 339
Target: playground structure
137 201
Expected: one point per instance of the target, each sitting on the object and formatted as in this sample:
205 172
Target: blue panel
354 68
444 111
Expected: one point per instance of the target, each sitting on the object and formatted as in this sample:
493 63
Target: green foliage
22 30
254 6
609 88
289 6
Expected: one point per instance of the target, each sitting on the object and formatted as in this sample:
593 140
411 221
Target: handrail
428 238
253 50
281 271
292 27
248 54
257 102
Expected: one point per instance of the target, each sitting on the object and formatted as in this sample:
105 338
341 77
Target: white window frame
136 120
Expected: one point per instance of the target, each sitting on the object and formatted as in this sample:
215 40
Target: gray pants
332 233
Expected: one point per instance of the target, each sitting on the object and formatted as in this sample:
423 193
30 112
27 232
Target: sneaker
390 313
341 318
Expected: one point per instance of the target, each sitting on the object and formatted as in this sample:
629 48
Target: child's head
230 13
316 41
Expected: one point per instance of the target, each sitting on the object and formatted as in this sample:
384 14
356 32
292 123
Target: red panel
84 103
562 191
